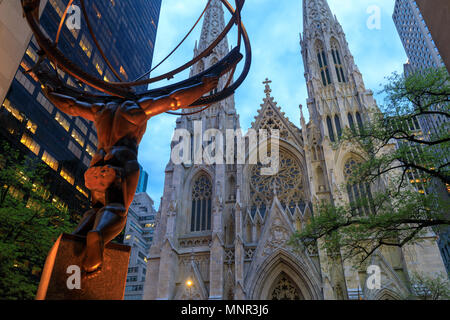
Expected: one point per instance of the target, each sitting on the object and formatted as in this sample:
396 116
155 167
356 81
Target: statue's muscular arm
178 99
71 106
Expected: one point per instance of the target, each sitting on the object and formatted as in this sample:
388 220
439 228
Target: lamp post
189 284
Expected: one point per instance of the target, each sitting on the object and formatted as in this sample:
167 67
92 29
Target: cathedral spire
336 90
316 12
213 24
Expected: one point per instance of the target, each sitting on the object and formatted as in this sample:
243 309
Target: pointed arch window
359 194
359 120
330 129
201 204
337 122
350 121
323 65
337 61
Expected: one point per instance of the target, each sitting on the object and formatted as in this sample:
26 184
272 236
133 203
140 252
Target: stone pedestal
63 278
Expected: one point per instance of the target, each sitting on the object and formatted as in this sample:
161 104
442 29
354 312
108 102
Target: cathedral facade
222 229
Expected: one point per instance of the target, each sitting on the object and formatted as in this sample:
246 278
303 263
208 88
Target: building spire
316 12
213 24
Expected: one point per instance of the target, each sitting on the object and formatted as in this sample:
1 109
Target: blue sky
273 28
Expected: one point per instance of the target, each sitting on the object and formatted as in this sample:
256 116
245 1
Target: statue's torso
119 126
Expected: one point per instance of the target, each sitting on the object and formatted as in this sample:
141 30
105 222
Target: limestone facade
226 227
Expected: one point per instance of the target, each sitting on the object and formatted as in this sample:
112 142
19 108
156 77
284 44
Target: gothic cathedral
222 230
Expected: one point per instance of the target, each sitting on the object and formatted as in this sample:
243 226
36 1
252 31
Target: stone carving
285 289
278 236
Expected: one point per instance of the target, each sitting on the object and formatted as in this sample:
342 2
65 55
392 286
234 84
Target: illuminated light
31 126
50 161
62 121
84 193
30 144
127 237
67 176
189 283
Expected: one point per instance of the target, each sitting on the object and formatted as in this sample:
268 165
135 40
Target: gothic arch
200 66
387 294
323 63
281 262
340 164
187 196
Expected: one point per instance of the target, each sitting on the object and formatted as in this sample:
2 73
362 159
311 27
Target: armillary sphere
125 90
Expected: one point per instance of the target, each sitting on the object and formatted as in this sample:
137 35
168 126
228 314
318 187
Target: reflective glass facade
126 31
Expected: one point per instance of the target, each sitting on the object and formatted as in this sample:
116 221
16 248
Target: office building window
75 150
82 191
79 123
30 144
45 103
16 113
50 161
93 139
32 54
90 150
27 84
62 121
67 176
77 136
86 46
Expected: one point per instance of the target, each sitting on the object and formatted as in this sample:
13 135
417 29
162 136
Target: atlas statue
120 116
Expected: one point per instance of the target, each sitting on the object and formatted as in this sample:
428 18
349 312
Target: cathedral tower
198 199
222 230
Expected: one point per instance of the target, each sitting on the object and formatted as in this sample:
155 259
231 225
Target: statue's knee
131 167
116 208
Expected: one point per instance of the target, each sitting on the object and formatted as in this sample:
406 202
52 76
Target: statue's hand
210 82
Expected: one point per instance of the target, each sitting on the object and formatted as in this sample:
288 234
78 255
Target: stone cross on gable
267 90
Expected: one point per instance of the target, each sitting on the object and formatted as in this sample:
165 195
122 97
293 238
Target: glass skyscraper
126 32
423 53
415 36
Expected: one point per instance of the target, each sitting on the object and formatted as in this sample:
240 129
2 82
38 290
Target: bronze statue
120 115
114 171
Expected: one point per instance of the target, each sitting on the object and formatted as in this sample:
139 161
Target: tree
30 223
428 288
404 183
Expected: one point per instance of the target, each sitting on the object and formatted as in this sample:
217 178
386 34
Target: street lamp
189 284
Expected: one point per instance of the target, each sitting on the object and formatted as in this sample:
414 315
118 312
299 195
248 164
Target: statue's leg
87 222
109 222
111 219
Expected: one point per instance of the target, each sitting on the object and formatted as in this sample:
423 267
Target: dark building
126 32
436 14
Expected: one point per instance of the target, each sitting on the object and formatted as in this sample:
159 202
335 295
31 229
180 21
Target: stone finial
275 188
267 90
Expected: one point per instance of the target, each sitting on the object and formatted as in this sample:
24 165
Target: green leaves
404 167
29 225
